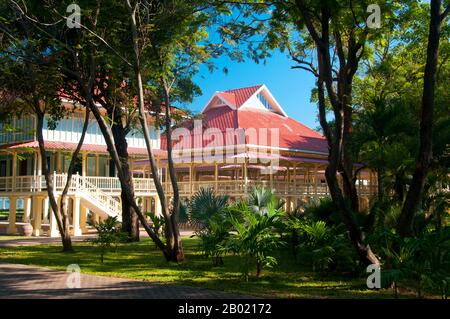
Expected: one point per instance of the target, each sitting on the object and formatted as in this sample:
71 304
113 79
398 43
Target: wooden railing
281 188
111 185
109 203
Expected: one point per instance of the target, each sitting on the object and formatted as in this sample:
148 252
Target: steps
95 199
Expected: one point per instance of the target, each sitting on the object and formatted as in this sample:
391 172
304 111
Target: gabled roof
236 113
243 94
244 98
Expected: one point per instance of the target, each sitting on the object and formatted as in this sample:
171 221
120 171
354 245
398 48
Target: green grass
9 237
144 262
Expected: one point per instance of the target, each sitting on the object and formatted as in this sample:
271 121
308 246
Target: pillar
83 218
132 167
14 171
244 175
53 231
271 176
216 176
191 174
97 165
26 209
76 216
84 164
45 219
12 229
37 215
315 180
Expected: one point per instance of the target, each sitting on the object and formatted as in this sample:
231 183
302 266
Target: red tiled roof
86 147
292 134
243 94
229 97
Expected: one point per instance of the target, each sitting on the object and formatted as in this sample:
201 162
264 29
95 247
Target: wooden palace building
243 138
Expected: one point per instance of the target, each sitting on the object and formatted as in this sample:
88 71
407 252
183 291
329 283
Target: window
264 102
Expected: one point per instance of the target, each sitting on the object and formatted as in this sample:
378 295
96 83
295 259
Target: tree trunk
63 208
130 221
364 251
177 248
173 247
424 158
62 221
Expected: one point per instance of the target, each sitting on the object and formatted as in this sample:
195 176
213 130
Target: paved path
20 281
43 240
32 241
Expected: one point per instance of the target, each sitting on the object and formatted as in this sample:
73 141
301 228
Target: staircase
92 197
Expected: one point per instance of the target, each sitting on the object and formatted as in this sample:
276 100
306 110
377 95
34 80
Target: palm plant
207 213
204 205
253 237
326 246
261 198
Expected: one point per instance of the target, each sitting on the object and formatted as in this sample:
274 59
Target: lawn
143 261
9 237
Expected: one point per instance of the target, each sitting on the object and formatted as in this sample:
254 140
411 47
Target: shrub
260 199
108 234
207 213
253 237
326 247
157 223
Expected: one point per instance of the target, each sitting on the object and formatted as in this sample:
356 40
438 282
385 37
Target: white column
37 215
12 229
46 211
14 170
76 216
54 231
26 209
84 165
83 218
216 176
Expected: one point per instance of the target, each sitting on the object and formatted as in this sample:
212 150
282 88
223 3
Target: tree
335 42
33 89
424 159
168 37
175 40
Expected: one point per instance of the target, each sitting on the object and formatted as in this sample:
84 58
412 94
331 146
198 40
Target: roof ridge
243 88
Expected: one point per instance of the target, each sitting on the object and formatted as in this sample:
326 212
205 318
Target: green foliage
322 209
108 235
325 247
208 214
157 223
424 260
261 199
253 237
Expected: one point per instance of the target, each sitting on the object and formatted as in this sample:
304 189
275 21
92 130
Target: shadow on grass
144 262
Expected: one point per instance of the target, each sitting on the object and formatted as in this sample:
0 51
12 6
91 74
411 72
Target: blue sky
291 87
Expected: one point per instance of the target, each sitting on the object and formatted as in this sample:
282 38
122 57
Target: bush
253 237
207 213
319 237
325 247
157 223
108 234
423 260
